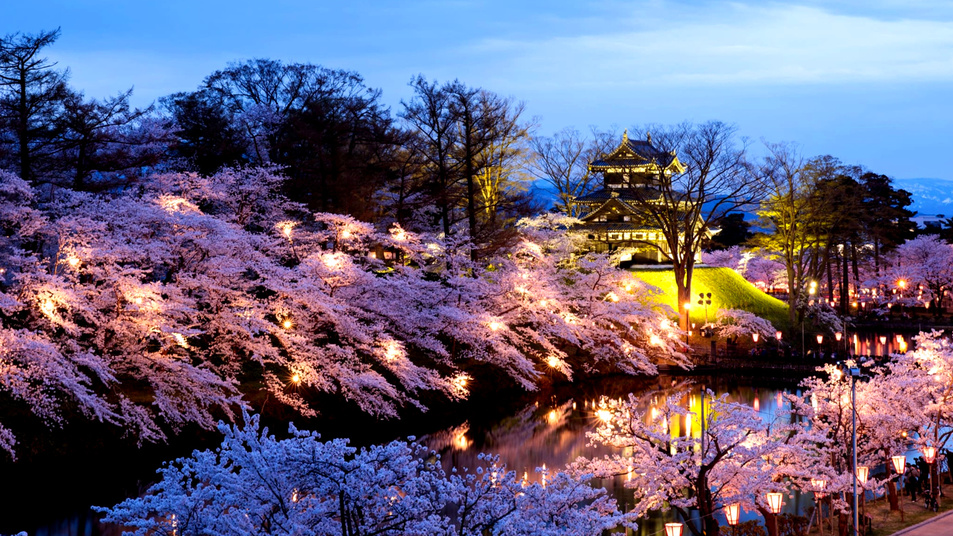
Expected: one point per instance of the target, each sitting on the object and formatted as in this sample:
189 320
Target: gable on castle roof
637 153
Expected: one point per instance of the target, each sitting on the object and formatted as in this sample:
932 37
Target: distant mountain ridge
931 197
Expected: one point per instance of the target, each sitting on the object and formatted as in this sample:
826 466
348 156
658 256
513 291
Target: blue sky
867 81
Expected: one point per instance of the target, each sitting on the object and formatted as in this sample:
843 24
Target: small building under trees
618 216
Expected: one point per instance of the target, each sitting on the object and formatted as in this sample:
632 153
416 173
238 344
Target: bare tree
562 161
470 139
788 211
683 205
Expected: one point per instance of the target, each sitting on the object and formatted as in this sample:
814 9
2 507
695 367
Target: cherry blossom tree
827 404
739 323
920 270
255 483
186 288
706 456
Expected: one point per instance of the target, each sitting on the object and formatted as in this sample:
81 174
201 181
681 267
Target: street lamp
732 513
817 486
854 372
774 507
673 529
929 456
899 465
706 301
862 473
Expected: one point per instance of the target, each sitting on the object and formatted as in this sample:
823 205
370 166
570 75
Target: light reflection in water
553 434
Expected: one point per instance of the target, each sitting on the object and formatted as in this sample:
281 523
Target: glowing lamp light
345 234
687 306
732 512
287 323
838 336
777 335
899 463
820 339
604 415
903 434
902 284
929 454
774 502
495 326
862 472
552 361
899 339
755 336
883 339
673 529
73 261
818 486
296 378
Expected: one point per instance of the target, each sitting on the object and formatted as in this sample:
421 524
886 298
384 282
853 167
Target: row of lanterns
774 499
733 513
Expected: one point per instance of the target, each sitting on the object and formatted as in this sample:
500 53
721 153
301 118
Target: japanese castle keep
615 218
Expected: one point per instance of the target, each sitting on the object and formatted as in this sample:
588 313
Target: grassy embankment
728 291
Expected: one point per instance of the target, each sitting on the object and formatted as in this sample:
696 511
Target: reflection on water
552 433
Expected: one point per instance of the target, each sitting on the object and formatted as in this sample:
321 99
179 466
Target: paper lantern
774 502
899 463
862 473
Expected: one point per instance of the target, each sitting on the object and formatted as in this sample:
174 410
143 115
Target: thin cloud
736 44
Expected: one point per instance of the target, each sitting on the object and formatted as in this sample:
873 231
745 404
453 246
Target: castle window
640 236
626 218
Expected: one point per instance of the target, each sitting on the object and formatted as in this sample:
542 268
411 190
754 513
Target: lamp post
862 473
929 456
837 337
899 465
853 372
688 325
774 507
820 341
704 300
818 486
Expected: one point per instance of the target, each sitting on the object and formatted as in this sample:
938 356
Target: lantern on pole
732 512
899 463
838 336
820 339
929 454
818 485
673 529
883 339
862 472
774 502
755 336
777 335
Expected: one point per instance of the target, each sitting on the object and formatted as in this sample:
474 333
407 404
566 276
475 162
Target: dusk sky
868 82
